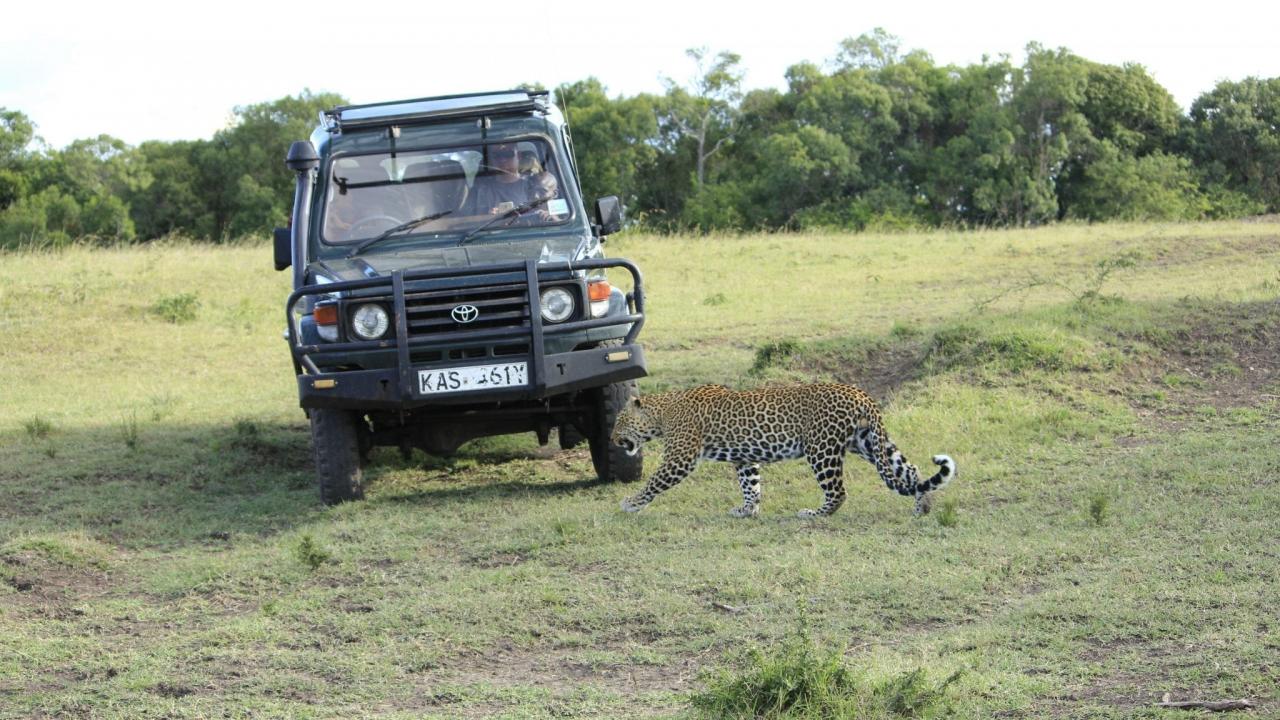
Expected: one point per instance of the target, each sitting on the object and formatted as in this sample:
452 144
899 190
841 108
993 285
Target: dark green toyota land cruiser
449 284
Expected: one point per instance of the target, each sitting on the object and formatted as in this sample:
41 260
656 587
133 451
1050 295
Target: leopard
818 421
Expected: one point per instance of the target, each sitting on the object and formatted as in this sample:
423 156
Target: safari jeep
449 285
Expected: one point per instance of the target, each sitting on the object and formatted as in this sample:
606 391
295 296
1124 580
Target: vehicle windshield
443 191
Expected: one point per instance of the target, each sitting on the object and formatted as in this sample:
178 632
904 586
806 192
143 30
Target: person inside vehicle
343 214
501 187
360 204
529 164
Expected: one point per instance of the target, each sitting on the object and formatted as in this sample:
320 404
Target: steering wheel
367 226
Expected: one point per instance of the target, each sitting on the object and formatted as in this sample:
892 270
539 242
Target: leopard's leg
749 481
924 503
924 488
827 461
676 466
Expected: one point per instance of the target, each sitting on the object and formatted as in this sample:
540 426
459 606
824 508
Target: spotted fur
819 422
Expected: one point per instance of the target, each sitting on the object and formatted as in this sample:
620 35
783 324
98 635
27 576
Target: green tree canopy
879 136
1235 138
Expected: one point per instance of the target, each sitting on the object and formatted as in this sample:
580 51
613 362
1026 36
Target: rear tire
611 462
336 441
570 437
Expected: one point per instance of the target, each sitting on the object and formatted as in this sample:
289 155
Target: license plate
478 377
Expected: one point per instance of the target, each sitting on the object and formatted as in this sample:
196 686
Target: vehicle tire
336 443
611 462
570 437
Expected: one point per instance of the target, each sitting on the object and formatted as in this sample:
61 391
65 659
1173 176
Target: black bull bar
397 388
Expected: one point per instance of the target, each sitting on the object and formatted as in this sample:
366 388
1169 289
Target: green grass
1109 393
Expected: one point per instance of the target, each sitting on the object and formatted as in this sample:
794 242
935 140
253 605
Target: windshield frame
555 160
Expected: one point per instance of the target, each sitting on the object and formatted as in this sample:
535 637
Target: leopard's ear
635 402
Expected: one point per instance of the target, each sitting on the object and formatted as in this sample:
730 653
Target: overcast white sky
142 71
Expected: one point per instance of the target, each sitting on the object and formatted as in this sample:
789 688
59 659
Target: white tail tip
947 464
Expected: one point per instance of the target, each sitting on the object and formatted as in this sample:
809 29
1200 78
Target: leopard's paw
744 511
924 504
631 505
808 513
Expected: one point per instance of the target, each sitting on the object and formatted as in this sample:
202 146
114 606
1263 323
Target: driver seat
435 186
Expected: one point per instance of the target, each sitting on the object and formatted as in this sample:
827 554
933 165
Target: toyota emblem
465 313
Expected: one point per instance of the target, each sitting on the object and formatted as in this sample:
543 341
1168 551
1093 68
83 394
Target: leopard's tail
873 444
946 471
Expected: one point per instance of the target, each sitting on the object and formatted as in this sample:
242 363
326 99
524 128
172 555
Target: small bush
794 680
904 331
177 309
798 680
37 428
247 431
714 299
1099 506
247 435
310 554
129 430
1015 351
950 342
946 513
772 354
161 406
1020 351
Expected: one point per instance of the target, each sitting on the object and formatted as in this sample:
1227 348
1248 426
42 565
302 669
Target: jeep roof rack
444 107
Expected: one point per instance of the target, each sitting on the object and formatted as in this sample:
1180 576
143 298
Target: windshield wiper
509 216
397 229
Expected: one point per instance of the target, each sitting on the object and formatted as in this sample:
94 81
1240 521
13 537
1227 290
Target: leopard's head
636 425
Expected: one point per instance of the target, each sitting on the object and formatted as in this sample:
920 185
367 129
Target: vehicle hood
545 250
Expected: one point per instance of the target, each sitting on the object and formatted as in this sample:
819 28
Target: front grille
419 357
500 306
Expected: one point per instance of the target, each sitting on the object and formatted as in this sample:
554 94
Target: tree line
877 138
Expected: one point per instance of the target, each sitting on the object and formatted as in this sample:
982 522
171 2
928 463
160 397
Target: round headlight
370 321
557 305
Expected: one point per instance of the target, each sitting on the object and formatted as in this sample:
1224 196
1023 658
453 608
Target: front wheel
337 443
611 462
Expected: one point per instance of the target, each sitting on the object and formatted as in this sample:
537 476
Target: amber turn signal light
326 314
598 291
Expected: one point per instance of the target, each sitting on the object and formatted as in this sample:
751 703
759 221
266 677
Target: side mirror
283 248
609 214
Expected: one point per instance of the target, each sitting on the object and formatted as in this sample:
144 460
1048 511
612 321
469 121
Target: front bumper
383 389
396 387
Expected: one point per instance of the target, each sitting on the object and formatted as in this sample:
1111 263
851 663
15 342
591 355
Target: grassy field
1109 393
